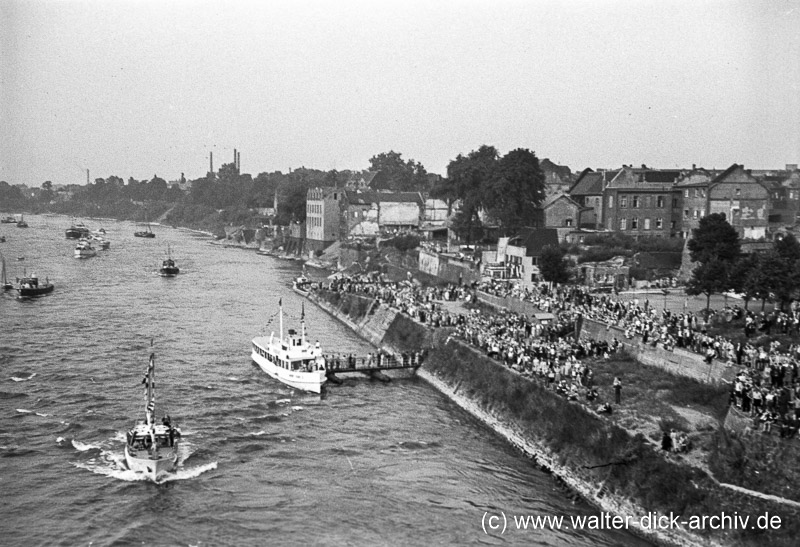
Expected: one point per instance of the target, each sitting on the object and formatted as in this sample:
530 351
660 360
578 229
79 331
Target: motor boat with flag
291 359
151 448
84 249
168 267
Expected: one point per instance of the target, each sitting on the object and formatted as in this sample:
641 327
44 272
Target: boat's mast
303 323
280 321
151 385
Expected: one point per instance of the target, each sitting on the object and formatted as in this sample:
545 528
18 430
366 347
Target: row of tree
770 275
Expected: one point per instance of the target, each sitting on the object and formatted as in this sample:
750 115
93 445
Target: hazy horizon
144 88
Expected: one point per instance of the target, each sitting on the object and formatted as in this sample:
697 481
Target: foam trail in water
83 447
23 379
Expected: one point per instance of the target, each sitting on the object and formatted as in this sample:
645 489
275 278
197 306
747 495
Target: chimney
234 157
239 161
87 177
211 162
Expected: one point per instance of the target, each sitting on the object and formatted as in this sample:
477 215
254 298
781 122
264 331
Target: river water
367 464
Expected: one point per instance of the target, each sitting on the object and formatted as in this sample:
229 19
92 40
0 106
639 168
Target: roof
555 197
591 183
364 198
535 239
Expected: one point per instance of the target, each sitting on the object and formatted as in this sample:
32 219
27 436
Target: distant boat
30 286
150 448
147 232
2 239
77 231
168 267
101 242
8 220
84 249
4 283
22 223
291 360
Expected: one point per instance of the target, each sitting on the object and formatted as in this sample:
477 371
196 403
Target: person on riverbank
617 390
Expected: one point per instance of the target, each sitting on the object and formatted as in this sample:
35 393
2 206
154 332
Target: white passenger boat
84 249
152 449
291 360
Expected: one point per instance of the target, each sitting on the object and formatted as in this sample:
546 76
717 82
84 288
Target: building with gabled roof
742 199
587 191
639 202
520 254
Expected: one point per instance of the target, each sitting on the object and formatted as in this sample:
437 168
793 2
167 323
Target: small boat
2 239
84 249
4 283
101 242
77 231
30 286
22 223
301 284
147 232
168 267
291 360
150 448
8 220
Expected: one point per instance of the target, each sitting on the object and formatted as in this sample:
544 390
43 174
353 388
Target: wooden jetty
372 365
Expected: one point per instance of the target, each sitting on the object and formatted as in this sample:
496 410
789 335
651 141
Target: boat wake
26 411
23 378
111 463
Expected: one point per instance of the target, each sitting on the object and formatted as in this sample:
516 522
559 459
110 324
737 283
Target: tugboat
22 223
84 249
150 448
291 360
147 232
168 267
30 286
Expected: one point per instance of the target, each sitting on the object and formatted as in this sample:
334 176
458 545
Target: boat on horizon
84 249
21 223
291 360
77 231
151 448
8 220
147 232
30 286
168 267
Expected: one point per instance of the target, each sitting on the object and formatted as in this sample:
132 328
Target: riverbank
617 470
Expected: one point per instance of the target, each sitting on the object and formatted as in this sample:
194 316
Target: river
366 464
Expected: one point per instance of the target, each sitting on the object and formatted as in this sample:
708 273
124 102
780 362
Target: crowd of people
767 387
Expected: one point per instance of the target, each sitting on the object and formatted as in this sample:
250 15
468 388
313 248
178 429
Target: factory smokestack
234 157
238 161
211 162
87 177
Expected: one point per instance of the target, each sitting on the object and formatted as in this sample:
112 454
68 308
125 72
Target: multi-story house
564 214
639 203
367 213
691 198
322 217
521 254
588 192
742 199
784 200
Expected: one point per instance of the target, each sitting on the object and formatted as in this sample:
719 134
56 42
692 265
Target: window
660 202
674 203
695 213
659 223
634 224
610 202
635 201
702 212
738 191
623 202
623 224
567 222
647 224
702 192
686 213
672 225
686 193
597 202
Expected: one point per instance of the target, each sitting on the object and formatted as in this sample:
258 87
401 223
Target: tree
514 190
788 248
716 239
396 174
467 177
554 266
742 277
708 278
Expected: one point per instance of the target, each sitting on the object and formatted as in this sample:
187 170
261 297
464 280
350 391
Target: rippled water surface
367 464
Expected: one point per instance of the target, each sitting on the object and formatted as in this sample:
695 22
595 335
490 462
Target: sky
137 88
